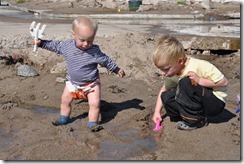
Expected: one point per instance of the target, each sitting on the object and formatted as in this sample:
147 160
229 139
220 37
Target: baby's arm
106 61
51 45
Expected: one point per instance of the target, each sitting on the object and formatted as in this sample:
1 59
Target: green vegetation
181 2
22 1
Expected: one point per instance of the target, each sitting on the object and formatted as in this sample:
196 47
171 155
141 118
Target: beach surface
28 105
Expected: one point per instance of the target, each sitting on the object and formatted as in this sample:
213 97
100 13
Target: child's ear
181 61
73 34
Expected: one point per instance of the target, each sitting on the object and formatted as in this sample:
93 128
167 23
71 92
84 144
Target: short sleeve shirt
203 69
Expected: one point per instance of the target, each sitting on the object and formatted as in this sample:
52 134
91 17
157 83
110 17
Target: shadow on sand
224 116
109 110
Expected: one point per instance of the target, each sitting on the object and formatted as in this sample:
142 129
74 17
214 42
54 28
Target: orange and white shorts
80 92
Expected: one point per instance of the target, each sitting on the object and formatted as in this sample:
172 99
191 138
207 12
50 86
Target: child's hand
156 116
193 76
37 42
121 72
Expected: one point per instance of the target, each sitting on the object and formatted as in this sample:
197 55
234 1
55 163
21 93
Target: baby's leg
66 100
94 108
65 108
94 104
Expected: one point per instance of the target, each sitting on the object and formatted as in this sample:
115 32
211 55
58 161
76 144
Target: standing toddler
82 58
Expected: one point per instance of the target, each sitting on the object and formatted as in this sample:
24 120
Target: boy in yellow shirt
192 90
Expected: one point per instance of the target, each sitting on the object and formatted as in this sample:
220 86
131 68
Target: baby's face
84 37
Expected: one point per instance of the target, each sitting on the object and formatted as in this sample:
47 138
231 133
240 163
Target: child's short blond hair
168 50
84 21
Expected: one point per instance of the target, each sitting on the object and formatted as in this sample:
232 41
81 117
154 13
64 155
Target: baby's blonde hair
168 50
85 21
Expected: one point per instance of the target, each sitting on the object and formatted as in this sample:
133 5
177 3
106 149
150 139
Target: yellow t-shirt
203 69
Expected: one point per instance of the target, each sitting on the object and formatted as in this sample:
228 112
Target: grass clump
22 1
181 2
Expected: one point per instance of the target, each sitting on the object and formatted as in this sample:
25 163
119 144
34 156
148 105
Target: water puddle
215 30
43 110
210 27
129 145
11 12
5 139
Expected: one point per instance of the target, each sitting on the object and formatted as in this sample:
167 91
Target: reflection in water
157 135
5 139
218 30
43 110
128 144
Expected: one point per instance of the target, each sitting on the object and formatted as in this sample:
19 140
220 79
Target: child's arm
51 45
159 106
106 61
206 82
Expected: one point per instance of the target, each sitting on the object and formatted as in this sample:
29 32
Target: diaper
80 92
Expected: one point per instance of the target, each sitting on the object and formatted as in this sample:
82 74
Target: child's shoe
63 120
57 123
182 125
96 128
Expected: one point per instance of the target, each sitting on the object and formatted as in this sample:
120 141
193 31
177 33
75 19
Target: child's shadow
224 116
82 116
109 110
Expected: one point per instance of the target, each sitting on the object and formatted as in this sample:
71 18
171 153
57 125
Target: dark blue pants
191 102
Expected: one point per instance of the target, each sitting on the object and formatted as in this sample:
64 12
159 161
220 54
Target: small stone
25 70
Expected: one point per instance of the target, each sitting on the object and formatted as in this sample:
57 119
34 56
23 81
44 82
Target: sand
29 104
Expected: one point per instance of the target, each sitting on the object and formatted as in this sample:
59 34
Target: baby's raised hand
37 42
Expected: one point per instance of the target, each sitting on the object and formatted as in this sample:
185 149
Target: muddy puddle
130 145
126 143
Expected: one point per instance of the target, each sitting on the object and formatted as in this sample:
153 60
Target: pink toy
158 126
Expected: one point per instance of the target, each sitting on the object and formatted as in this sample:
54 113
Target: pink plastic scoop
158 126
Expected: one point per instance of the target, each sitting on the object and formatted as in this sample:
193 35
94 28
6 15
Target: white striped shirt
81 64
